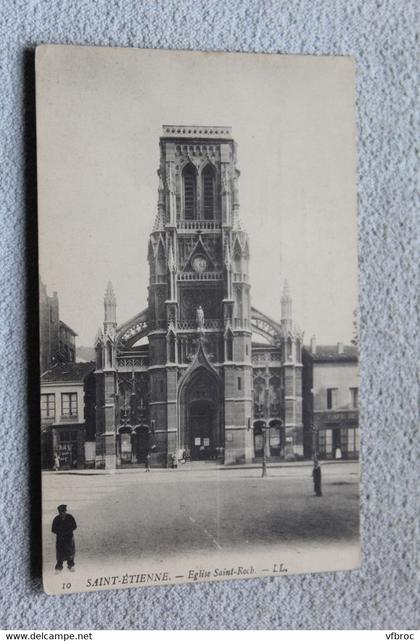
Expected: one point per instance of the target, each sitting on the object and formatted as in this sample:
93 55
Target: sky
100 113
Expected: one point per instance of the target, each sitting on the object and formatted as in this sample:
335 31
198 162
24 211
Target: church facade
186 374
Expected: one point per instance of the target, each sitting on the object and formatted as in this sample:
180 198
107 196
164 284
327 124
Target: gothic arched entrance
200 415
201 430
142 442
277 438
259 426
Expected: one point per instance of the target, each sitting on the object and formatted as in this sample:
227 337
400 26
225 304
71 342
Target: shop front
337 434
68 445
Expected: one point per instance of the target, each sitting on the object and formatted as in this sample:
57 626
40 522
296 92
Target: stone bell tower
199 300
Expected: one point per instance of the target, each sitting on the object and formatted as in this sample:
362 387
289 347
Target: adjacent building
330 406
57 340
68 415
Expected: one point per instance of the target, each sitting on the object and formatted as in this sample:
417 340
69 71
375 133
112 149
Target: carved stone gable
199 249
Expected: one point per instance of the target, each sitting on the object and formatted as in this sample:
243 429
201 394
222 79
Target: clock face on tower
199 264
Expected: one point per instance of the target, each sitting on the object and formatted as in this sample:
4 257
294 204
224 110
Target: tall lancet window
190 192
208 193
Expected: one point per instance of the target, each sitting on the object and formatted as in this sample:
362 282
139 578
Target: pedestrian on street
147 462
63 527
56 462
316 475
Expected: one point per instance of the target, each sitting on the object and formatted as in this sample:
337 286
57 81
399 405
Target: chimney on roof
313 344
340 348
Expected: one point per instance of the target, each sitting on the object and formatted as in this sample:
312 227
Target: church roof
67 373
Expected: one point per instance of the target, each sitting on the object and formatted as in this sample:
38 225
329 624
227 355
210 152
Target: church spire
286 306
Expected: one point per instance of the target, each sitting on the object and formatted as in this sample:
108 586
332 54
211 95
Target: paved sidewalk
198 466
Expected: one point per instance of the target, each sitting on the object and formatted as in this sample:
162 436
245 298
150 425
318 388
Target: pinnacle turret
286 307
159 223
110 306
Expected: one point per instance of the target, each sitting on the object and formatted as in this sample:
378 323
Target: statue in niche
200 317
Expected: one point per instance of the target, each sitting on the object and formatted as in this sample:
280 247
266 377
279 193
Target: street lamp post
315 440
260 413
264 459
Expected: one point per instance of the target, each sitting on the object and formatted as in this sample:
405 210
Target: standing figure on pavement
56 462
316 475
63 527
147 462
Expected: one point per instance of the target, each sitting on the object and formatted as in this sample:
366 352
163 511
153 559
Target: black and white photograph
197 219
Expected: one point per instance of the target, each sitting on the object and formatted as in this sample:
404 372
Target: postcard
197 220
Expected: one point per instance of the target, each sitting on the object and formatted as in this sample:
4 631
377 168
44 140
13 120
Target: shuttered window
69 404
47 405
332 398
208 193
189 193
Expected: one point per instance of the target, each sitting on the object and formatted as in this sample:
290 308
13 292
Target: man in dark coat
63 527
316 475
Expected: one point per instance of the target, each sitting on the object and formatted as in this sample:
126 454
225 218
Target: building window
161 387
68 437
190 192
325 443
246 349
345 443
239 383
350 440
208 193
69 404
354 397
47 405
331 398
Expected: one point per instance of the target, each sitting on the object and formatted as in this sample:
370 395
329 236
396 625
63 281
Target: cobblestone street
135 516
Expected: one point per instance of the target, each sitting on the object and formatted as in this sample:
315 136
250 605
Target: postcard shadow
32 311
